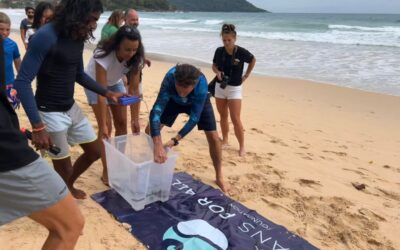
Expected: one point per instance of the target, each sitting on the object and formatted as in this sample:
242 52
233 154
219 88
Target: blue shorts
92 96
206 122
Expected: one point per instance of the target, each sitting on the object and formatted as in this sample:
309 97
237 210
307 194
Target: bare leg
119 118
64 222
222 107
64 168
91 153
97 114
214 145
235 106
147 129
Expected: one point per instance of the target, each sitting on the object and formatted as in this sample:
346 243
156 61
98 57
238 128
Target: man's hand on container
160 155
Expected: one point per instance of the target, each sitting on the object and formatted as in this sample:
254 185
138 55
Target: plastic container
133 173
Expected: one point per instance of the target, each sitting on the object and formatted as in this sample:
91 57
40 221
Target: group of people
54 55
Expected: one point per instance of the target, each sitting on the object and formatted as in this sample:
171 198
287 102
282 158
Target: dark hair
111 44
71 18
228 29
116 17
40 9
29 8
186 74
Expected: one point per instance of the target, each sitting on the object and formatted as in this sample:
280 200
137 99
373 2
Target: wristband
176 142
39 129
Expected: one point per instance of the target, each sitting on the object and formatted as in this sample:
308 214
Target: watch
176 142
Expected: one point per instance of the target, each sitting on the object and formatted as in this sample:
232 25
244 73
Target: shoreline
307 143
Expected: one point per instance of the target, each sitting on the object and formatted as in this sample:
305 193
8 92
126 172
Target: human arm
163 98
101 77
216 62
249 69
17 63
133 89
22 29
147 62
28 69
217 72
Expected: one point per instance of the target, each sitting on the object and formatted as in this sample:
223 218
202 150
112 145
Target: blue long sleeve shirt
195 100
57 63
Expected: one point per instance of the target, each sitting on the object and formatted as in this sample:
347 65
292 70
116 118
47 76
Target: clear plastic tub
133 173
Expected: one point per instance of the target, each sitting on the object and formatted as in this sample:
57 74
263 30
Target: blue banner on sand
199 217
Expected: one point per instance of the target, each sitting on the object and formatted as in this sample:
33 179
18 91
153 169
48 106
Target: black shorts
206 122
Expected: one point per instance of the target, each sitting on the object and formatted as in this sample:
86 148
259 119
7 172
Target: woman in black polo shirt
228 64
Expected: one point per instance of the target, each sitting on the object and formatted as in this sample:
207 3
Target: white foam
213 22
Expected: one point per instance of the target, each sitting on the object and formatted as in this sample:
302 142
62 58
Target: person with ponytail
228 65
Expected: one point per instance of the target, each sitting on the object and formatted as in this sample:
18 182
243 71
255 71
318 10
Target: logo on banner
194 235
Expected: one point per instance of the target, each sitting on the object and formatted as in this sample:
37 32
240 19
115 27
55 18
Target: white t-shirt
28 34
114 68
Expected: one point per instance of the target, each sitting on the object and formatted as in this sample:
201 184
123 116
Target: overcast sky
329 6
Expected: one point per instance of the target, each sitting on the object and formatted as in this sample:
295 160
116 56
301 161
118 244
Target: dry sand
307 143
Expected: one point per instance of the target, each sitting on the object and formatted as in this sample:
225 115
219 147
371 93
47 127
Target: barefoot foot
104 179
221 184
242 152
77 193
224 142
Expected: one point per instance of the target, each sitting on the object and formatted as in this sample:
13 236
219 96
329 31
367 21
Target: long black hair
106 46
40 9
73 16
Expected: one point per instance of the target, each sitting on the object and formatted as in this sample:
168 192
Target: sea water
353 50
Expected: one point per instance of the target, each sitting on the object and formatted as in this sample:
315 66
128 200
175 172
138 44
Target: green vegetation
159 5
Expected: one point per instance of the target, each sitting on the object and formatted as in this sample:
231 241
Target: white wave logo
194 235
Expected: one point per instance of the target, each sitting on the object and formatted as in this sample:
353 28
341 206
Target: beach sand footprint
308 183
259 131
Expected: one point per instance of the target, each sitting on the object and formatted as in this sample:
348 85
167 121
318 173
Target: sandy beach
307 144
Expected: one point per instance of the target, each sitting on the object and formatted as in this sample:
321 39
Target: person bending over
184 90
122 54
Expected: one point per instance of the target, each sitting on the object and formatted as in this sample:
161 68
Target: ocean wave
335 37
155 21
213 22
209 30
363 28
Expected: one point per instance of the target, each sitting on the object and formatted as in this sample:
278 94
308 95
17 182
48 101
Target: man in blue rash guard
185 90
54 56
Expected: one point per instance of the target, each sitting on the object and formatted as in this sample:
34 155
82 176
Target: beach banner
199 217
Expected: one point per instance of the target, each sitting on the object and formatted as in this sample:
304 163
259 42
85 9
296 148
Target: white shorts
230 92
68 128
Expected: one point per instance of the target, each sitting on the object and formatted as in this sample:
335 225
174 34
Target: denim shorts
92 96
